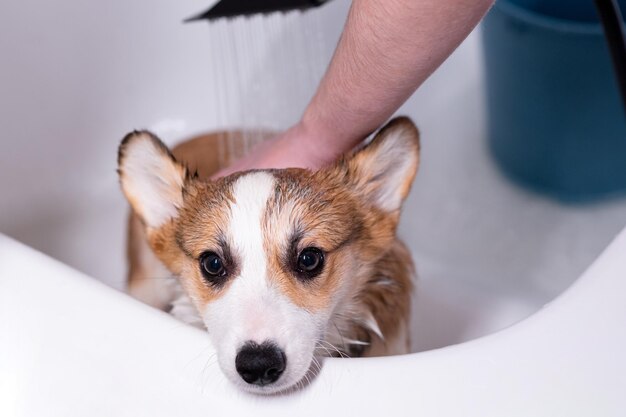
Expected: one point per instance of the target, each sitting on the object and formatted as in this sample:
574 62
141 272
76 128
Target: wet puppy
278 265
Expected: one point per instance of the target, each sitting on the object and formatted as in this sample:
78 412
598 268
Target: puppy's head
269 258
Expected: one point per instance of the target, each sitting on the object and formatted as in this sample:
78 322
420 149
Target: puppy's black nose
260 364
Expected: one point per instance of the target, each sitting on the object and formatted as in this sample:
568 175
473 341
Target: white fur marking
355 342
251 193
370 322
385 282
183 309
152 180
395 157
253 309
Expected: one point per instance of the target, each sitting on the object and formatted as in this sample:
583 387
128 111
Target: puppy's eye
310 262
212 266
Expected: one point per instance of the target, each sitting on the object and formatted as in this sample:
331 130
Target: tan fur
203 155
387 294
358 237
146 274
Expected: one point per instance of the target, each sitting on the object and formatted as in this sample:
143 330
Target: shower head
234 8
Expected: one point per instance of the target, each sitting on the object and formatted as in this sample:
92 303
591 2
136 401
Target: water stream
264 71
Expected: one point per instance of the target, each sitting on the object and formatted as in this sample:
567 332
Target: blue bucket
555 119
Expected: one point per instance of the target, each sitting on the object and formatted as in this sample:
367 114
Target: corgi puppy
279 266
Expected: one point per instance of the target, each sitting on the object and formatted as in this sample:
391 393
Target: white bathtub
76 76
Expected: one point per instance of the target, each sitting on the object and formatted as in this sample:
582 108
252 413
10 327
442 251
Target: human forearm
387 49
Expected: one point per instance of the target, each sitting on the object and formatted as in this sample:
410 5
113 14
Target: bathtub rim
512 363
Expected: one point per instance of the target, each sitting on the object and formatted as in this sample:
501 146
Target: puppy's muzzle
260 364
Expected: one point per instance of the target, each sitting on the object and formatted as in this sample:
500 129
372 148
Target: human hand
297 147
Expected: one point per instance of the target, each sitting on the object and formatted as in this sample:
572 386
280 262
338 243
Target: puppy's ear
383 171
151 178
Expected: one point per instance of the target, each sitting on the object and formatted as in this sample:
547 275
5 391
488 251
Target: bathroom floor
488 253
